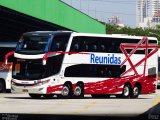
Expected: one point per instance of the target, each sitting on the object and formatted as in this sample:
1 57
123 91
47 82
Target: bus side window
107 71
112 47
102 48
86 48
75 47
57 46
117 47
94 48
59 43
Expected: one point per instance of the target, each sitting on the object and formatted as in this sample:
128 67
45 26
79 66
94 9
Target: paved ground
22 103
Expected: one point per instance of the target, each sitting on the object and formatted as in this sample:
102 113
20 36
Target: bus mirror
44 60
7 56
6 62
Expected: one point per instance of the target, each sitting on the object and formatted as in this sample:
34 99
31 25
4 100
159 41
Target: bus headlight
42 82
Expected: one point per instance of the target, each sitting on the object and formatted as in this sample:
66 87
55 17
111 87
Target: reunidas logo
107 59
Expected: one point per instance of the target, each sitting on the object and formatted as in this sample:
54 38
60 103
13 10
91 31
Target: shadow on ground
55 98
151 114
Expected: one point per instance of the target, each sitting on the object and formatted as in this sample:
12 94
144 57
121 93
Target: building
145 12
115 20
156 19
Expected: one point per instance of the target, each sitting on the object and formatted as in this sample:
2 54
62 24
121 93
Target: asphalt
20 104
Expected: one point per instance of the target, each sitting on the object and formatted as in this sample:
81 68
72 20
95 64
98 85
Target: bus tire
126 91
35 96
2 86
8 91
136 91
79 91
48 96
66 91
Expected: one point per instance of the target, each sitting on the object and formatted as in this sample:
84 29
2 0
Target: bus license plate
25 90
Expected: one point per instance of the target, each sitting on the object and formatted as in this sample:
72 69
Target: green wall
57 12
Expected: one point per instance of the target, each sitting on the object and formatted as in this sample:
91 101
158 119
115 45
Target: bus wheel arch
136 90
67 90
2 86
79 90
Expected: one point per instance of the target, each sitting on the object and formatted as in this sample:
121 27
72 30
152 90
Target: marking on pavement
85 108
156 102
88 106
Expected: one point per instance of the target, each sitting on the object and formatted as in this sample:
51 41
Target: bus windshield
34 44
33 69
28 70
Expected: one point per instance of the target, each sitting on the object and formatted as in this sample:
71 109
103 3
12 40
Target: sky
105 9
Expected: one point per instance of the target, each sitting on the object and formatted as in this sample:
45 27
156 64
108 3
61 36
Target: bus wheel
126 91
79 91
35 96
2 86
136 91
66 91
48 96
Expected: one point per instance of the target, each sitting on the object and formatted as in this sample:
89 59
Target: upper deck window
33 44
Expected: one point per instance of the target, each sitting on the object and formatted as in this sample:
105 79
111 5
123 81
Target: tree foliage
112 29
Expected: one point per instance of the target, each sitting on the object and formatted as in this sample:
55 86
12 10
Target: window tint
53 65
77 45
101 44
93 70
60 43
33 44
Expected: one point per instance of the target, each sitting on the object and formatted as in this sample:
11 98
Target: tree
113 29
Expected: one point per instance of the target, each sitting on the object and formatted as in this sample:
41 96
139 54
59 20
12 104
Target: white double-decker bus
71 64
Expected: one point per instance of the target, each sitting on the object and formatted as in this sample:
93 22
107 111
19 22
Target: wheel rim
135 91
65 91
77 91
126 91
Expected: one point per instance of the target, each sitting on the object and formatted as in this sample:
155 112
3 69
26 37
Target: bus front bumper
29 89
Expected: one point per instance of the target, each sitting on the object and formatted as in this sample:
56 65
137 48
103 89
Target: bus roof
114 36
46 32
89 34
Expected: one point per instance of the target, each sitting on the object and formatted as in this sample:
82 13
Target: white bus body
73 64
